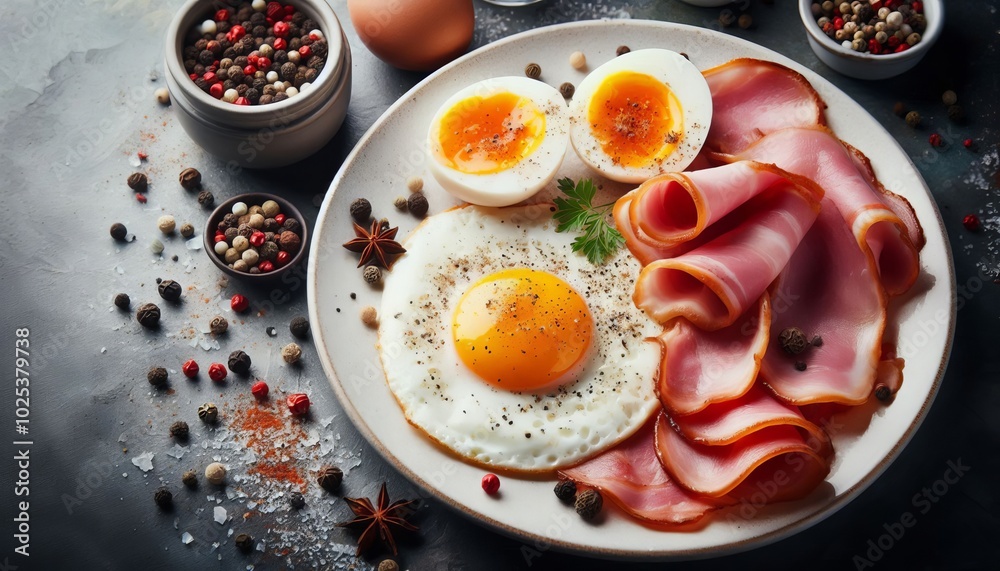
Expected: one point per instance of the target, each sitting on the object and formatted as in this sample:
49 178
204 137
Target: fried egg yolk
485 135
636 118
522 330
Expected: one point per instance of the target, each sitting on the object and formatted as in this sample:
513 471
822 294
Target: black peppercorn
330 478
320 48
533 70
622 50
361 209
882 392
315 63
299 327
288 70
292 225
253 95
793 340
727 18
800 365
239 362
297 500
817 341
122 301
243 541
179 430
148 315
206 199
372 274
163 498
567 90
417 203
118 231
218 325
157 376
388 565
280 96
589 503
566 491
137 182
190 178
206 57
169 290
190 479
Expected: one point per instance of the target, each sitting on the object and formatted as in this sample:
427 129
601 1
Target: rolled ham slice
641 249
830 289
704 367
816 154
630 474
715 283
752 98
715 471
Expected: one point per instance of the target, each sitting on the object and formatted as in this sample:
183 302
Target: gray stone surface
76 102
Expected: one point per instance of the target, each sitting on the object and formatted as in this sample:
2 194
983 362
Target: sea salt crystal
194 244
119 269
123 437
144 461
134 160
220 515
186 538
177 451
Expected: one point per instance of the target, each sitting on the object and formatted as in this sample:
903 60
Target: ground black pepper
157 376
137 182
239 362
148 315
299 327
169 290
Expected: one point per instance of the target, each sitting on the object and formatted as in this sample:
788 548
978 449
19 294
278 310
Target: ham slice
752 98
816 154
715 283
641 249
630 474
829 289
715 471
704 367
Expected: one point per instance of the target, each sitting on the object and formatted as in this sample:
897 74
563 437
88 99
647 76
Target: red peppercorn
966 143
917 6
216 90
263 63
190 369
838 23
280 218
220 238
971 222
239 303
282 258
275 11
280 29
257 238
265 266
217 372
305 51
222 15
902 47
260 390
210 77
491 484
935 140
315 37
235 33
193 76
242 101
289 9
143 156
298 403
894 42
140 197
249 70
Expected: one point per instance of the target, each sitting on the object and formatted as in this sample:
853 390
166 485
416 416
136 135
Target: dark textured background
76 99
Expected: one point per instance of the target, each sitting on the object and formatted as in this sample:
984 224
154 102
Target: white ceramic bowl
261 136
866 65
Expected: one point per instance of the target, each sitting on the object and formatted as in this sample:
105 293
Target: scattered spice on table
372 274
215 473
330 478
239 362
244 542
169 290
190 479
157 376
163 498
206 199
413 184
369 316
190 178
218 325
118 231
122 301
378 520
260 425
297 500
400 203
239 303
208 413
259 390
217 372
180 430
291 353
137 181
155 246
148 315
162 96
298 404
956 113
417 204
935 140
388 565
187 230
299 327
913 119
971 222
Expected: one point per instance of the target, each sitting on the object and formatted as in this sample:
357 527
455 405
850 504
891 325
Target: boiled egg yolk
522 330
484 135
636 118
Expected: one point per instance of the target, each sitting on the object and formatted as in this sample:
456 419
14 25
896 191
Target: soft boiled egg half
641 114
499 141
505 346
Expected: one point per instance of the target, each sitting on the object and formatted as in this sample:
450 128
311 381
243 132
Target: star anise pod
377 243
378 519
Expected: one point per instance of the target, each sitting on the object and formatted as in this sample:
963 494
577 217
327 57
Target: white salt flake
177 451
220 515
123 437
134 160
186 538
144 461
194 244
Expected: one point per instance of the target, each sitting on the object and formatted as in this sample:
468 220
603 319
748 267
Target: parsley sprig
600 238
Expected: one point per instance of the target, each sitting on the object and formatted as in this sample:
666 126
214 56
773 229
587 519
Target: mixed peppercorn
257 239
256 53
872 26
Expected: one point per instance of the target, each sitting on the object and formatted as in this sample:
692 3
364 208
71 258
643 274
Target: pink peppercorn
491 484
190 368
259 390
217 372
935 140
971 222
298 403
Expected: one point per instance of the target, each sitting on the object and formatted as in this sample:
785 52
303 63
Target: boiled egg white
641 114
505 346
499 141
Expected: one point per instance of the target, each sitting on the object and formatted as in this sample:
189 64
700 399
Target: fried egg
505 346
499 141
641 114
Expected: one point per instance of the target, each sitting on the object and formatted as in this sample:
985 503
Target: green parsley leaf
600 238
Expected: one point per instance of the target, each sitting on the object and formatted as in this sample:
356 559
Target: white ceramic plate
866 440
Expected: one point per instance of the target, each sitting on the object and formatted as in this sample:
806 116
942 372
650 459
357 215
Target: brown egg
414 34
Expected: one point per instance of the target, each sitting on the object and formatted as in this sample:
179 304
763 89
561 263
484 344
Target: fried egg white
499 141
641 114
505 346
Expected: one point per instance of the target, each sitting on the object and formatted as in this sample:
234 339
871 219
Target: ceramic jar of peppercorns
260 84
256 236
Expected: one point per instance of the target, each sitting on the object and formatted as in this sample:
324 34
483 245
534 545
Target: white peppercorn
949 97
166 224
240 208
256 221
162 96
232 254
270 209
221 247
415 183
251 257
578 60
215 473
156 246
894 20
913 39
240 265
241 243
291 353
369 316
